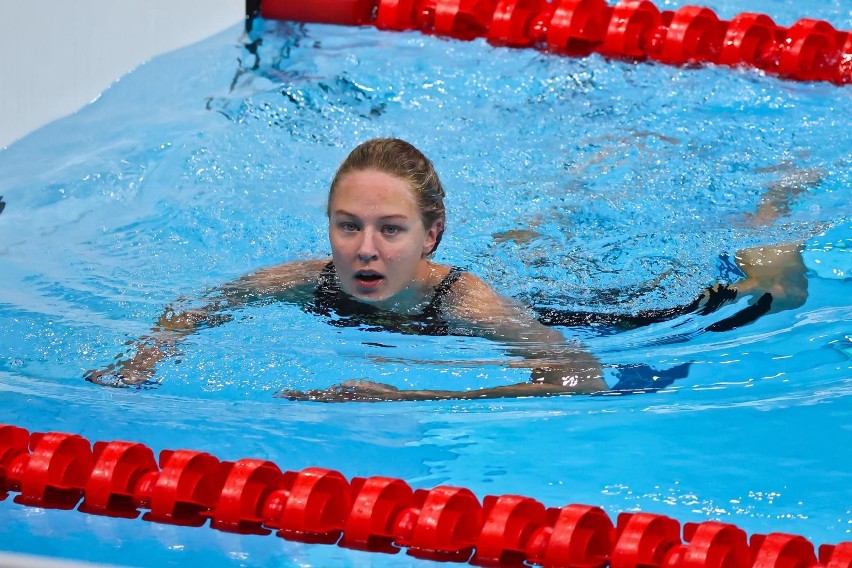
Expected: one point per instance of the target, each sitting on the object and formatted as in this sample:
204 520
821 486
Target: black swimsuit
707 303
344 311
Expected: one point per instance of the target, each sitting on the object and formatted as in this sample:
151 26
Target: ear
432 235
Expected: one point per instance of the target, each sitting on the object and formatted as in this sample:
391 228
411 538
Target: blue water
582 181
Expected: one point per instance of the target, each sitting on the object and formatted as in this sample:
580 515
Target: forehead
371 190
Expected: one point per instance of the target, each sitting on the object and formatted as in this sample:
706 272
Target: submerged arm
778 270
284 282
557 367
369 391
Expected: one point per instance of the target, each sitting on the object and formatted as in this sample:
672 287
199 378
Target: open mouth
368 278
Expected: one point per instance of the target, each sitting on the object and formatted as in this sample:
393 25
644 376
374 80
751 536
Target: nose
367 247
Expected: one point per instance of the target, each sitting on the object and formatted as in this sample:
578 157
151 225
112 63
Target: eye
347 226
391 230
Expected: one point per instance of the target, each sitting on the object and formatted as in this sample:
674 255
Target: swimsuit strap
441 291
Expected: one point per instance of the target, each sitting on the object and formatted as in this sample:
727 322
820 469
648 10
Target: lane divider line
377 514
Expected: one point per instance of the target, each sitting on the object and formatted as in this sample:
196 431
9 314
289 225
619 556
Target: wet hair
402 160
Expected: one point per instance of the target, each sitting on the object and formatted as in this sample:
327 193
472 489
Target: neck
414 297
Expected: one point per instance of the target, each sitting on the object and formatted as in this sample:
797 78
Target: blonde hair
400 159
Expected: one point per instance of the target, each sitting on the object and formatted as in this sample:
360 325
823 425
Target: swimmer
386 219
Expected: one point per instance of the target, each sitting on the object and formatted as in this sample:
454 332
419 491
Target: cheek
408 250
335 244
339 242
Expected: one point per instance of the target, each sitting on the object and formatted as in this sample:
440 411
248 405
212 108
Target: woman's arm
778 270
369 391
288 281
557 367
554 361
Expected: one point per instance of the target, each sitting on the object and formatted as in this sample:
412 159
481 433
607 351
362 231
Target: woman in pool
386 218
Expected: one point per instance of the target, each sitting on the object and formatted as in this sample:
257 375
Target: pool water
578 183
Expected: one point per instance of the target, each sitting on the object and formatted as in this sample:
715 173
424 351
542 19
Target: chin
368 297
371 298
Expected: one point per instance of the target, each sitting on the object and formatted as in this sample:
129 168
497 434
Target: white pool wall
57 56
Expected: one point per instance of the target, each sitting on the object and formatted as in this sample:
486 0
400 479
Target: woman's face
378 241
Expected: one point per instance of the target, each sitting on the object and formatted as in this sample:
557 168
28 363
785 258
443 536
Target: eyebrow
348 214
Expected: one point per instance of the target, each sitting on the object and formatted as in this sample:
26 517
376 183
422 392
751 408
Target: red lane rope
809 50
376 514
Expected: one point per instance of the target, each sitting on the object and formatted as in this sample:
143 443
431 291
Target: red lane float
750 40
343 12
633 28
376 514
809 50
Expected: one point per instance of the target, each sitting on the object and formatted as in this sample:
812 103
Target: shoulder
458 278
475 303
286 276
469 284
453 282
471 298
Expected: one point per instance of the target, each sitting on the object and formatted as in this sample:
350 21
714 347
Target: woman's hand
122 376
137 370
